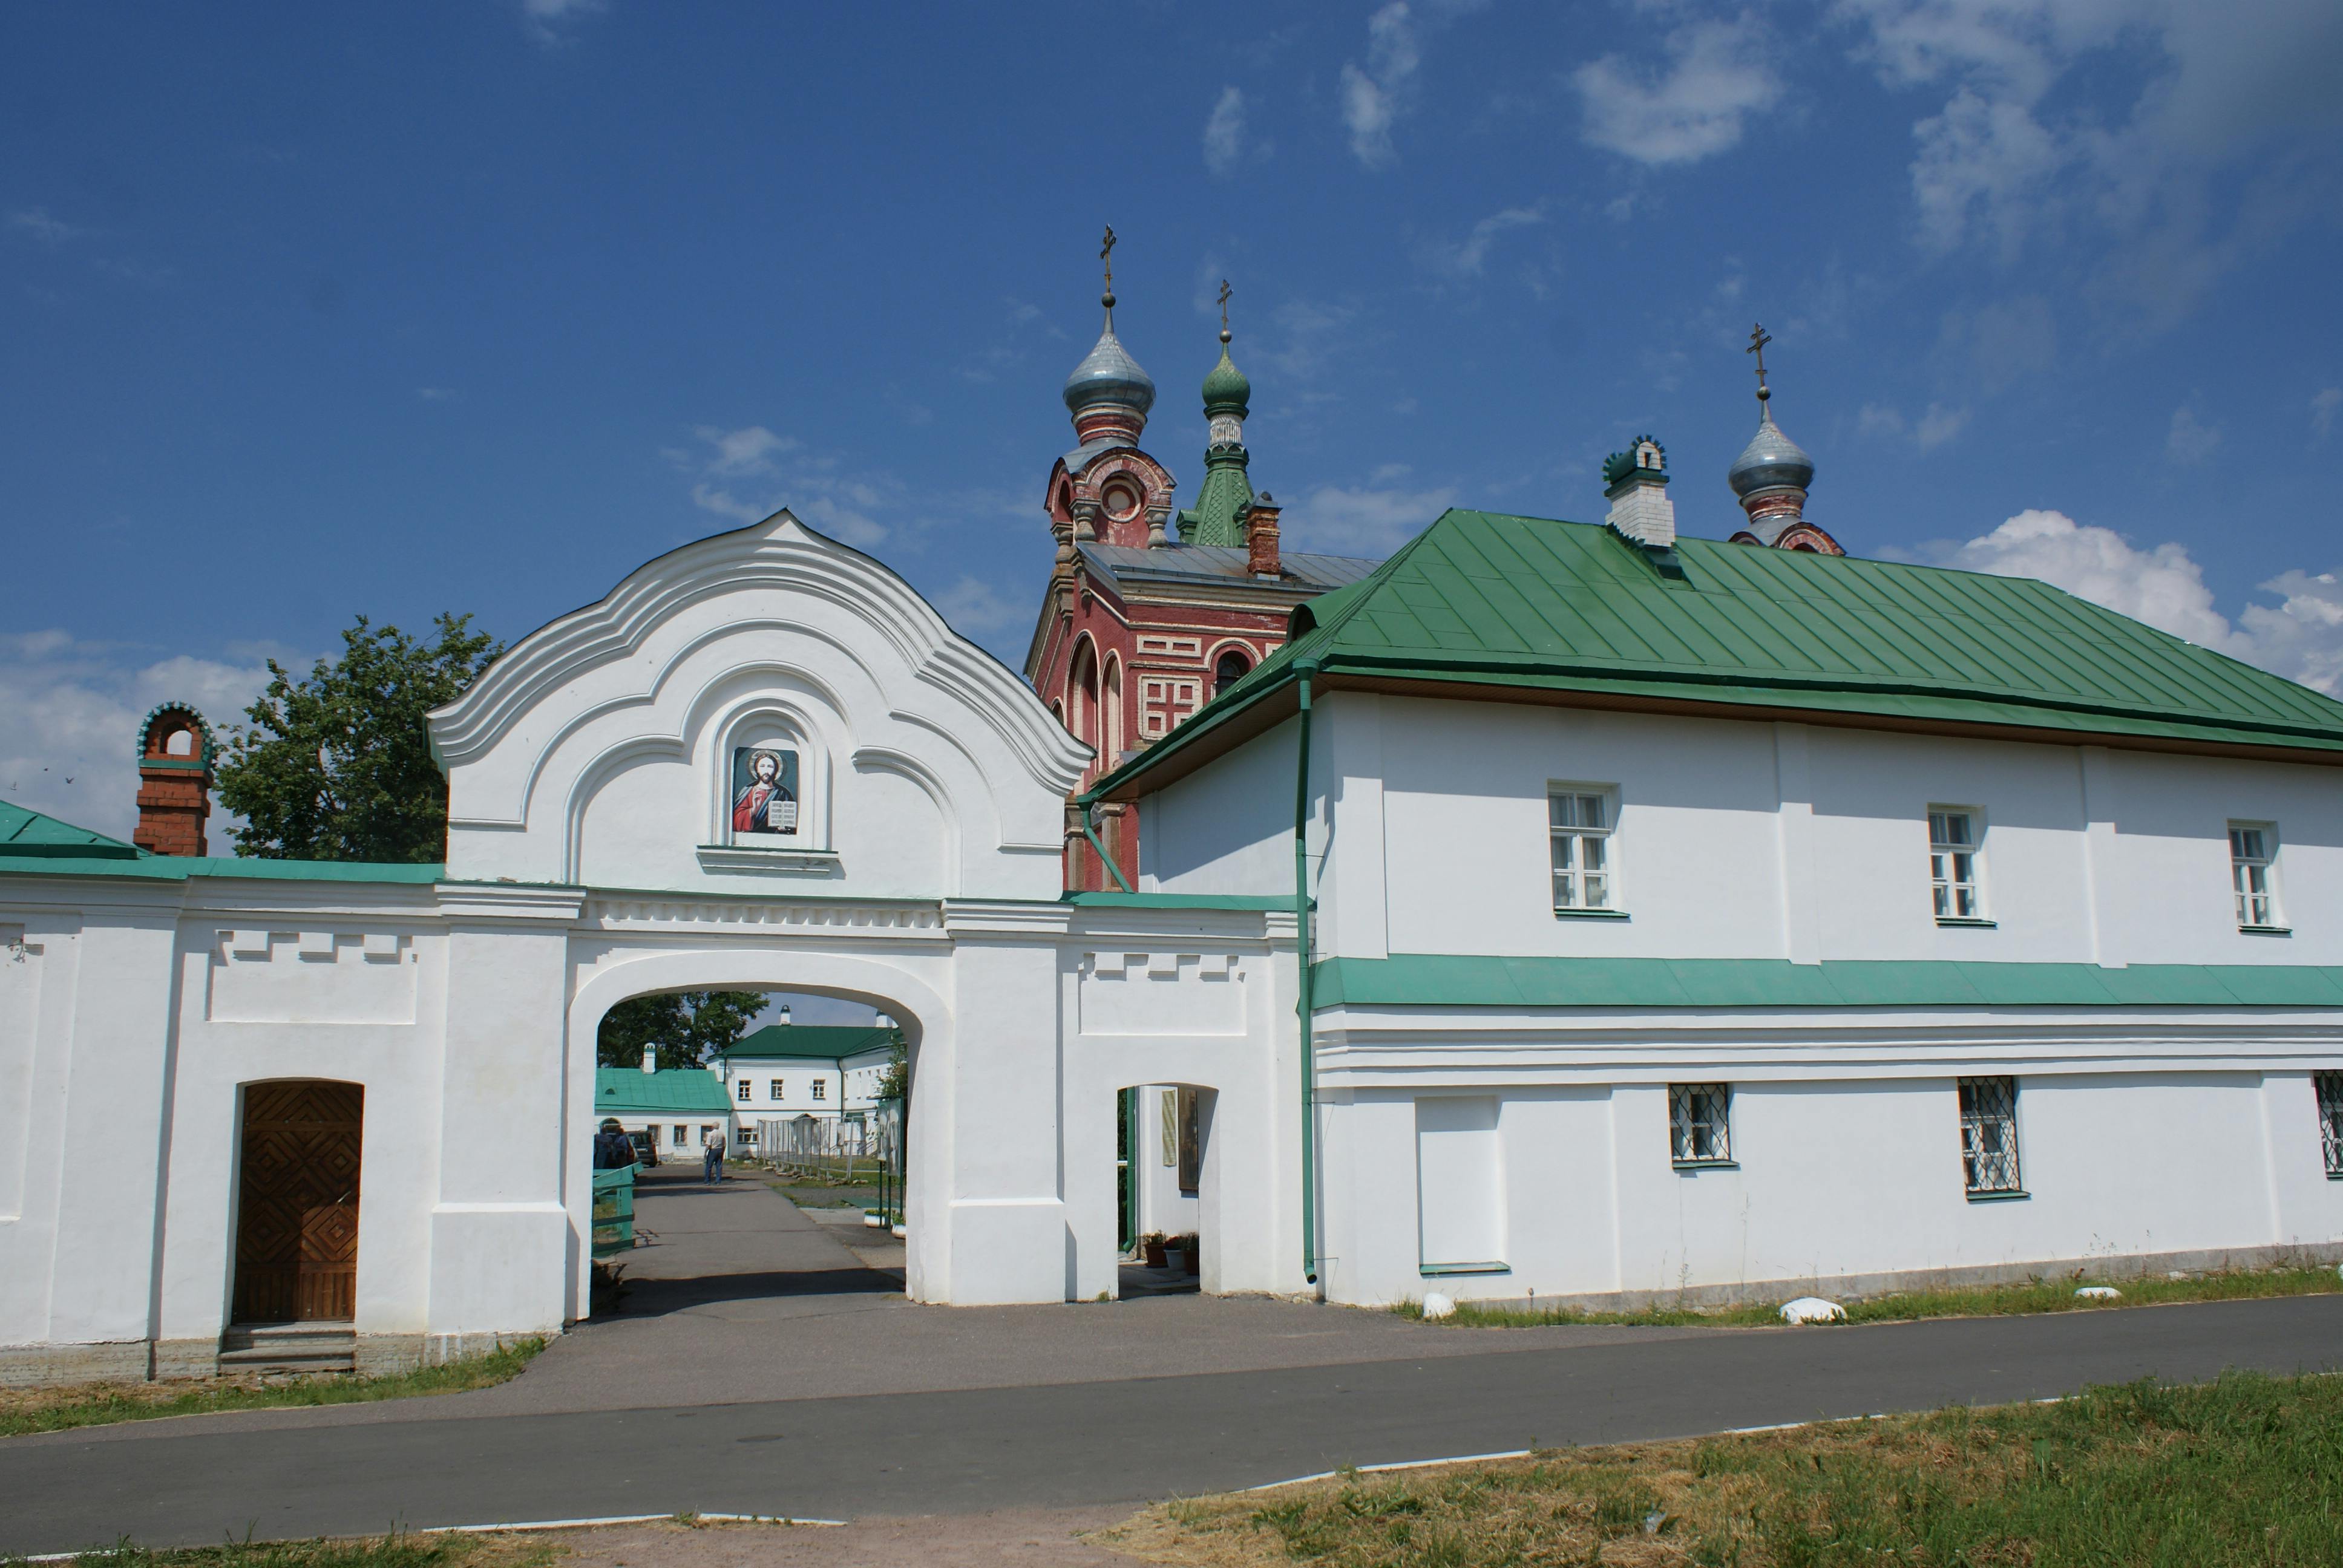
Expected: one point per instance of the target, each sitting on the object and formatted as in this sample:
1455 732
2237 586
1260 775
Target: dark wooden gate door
296 1234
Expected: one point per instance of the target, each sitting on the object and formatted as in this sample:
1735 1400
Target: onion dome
1771 461
1226 390
1108 373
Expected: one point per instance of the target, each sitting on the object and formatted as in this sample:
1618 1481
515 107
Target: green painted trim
2266 930
1969 921
1592 915
1704 1165
183 867
1427 980
2005 1196
1112 900
1442 1271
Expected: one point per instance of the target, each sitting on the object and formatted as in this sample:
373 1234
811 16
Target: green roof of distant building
630 1091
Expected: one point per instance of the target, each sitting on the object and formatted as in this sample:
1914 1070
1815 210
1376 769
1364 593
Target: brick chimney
1261 535
174 781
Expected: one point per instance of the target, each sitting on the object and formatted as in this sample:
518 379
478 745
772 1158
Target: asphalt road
966 1450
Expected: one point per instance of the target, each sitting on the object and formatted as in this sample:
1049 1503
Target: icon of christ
764 791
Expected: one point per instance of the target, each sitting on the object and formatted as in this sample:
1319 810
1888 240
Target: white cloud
38 223
69 715
1365 521
975 608
1468 258
1371 96
435 393
1224 131
2322 411
546 19
2218 137
811 486
2300 637
2190 440
1715 75
1930 432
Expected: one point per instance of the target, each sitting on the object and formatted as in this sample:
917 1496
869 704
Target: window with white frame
776 1089
1989 1135
683 1135
820 1089
1578 822
1953 863
2253 855
2329 1087
1698 1118
742 1090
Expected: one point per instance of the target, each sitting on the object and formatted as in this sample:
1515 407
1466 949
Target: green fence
614 1210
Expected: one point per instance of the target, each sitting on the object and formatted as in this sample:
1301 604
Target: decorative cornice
844 917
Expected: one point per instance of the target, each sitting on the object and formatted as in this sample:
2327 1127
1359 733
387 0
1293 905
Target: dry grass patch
2248 1470
2037 1295
23 1410
394 1550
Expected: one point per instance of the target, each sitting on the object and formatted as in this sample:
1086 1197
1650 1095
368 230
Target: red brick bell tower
174 781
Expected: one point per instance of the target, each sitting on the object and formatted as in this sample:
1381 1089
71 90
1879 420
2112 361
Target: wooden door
296 1234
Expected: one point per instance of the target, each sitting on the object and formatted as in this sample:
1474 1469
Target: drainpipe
1306 668
1090 832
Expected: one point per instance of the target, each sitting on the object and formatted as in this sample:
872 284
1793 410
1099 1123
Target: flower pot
1154 1252
1192 1261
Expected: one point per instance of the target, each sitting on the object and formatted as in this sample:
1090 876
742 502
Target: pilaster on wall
1794 792
2101 868
511 1215
996 1189
1353 913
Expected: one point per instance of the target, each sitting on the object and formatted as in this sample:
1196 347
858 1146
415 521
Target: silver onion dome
1108 373
1770 461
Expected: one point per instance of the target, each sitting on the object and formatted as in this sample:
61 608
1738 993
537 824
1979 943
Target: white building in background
787 1069
675 1110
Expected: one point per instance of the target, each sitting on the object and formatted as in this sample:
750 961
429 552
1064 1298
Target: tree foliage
336 765
686 1027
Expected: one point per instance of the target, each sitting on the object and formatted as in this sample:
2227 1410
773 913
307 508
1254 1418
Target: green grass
2245 1471
393 1551
2037 1295
58 1409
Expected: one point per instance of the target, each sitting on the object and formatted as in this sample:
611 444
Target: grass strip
2037 1295
2246 1470
397 1550
32 1409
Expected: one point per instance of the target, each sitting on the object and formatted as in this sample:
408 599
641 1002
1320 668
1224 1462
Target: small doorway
1164 1130
296 1232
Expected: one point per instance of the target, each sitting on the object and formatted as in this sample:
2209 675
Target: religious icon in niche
764 791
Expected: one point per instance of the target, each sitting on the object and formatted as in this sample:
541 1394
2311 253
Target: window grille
1698 1114
1989 1134
1579 823
742 1090
2249 875
2329 1086
1952 865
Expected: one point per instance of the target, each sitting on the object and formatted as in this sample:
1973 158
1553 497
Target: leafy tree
336 765
897 1082
686 1027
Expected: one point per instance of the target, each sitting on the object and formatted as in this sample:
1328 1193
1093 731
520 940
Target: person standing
612 1147
711 1156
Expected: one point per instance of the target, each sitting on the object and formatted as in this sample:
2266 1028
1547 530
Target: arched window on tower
1233 666
1111 708
1082 692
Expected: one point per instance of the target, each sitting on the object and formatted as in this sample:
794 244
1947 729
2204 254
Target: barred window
1578 821
2251 850
1698 1114
1953 864
2329 1087
1989 1134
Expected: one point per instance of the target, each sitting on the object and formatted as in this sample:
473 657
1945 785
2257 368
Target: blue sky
310 311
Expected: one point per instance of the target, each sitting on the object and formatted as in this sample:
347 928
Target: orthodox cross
1759 338
1225 292
1106 255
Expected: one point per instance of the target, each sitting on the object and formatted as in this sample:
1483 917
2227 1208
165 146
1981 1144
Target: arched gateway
761 762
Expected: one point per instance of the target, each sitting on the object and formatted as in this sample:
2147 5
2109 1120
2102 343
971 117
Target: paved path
1050 1417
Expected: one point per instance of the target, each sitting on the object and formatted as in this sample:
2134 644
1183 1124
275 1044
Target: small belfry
1221 502
1772 476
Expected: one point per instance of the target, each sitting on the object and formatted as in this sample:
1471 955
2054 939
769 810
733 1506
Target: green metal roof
1443 979
625 1090
810 1041
24 832
1536 604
